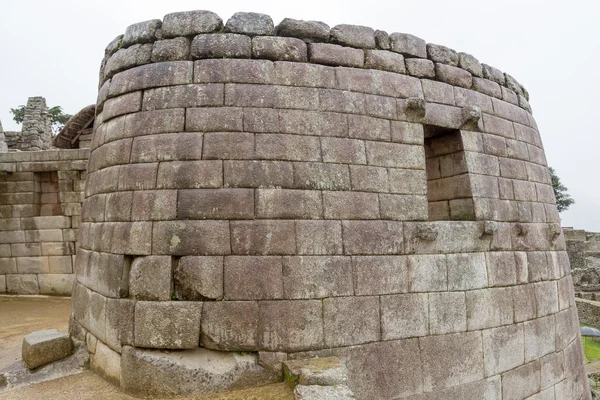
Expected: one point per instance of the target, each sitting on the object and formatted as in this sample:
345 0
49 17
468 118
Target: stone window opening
47 193
449 192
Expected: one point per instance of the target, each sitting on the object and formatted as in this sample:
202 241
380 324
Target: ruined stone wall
40 208
584 254
314 191
36 131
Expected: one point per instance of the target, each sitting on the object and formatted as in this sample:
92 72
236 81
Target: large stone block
374 275
372 237
285 203
309 31
263 237
22 284
221 45
150 278
489 308
316 277
521 382
447 313
451 360
230 325
167 325
197 278
351 320
190 23
191 238
318 237
215 204
409 45
291 325
503 349
404 316
43 347
253 278
56 284
335 55
279 49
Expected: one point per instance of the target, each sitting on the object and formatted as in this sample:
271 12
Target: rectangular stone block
230 325
56 284
118 206
407 181
167 325
376 82
120 314
167 147
498 126
221 45
382 106
453 75
261 120
124 104
263 237
286 203
335 55
32 265
154 205
341 150
540 338
317 277
521 382
191 238
465 97
342 101
60 265
385 60
287 147
364 127
150 278
319 237
314 123
275 318
184 96
350 205
26 249
263 174
372 237
190 175
369 179
215 204
22 284
404 316
546 296
307 75
253 278
395 155
351 320
501 268
403 207
503 349
9 265
153 122
489 308
466 271
214 119
233 71
198 278
447 313
138 176
451 360
438 92
313 176
427 273
524 302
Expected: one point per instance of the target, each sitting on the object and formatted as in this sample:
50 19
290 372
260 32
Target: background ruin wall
40 207
320 192
36 130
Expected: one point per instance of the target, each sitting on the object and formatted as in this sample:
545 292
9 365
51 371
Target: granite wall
264 193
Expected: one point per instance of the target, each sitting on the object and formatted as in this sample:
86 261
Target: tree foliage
563 198
58 118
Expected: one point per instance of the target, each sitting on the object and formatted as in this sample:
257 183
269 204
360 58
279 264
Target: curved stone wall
315 191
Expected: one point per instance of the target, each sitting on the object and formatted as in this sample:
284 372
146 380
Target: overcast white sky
54 48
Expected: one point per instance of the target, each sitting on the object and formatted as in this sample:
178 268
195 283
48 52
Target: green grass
591 348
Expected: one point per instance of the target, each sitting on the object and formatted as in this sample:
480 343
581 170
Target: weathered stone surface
142 32
190 23
333 54
249 23
470 63
361 37
221 45
327 371
493 74
385 60
150 278
171 50
408 45
43 347
309 31
442 54
279 49
382 40
175 325
198 278
155 373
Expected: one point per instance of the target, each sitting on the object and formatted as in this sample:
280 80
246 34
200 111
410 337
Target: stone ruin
256 194
259 195
36 132
584 255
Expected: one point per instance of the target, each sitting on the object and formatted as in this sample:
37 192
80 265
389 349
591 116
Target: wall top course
198 24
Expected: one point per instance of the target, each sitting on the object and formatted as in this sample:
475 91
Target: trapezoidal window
46 187
449 193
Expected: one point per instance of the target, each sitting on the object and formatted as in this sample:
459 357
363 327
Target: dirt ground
24 314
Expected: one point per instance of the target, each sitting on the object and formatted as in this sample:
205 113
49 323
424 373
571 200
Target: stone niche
314 192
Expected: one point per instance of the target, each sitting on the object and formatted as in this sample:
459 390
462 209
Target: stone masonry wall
3 146
36 132
297 190
584 254
40 207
